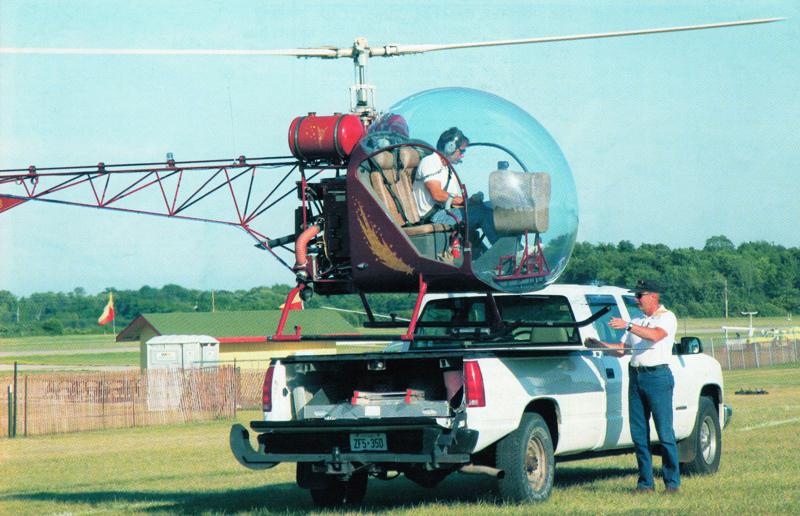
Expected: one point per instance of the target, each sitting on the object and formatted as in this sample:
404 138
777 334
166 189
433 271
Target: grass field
88 360
61 342
189 470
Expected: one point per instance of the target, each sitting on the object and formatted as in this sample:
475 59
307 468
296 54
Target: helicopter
357 229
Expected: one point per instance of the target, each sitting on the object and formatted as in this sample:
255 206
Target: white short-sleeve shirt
431 168
649 353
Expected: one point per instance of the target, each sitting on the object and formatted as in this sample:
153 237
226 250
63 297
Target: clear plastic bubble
512 169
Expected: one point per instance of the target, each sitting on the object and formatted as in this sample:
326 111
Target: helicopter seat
392 183
521 201
382 180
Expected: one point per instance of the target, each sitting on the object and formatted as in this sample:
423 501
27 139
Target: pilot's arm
438 194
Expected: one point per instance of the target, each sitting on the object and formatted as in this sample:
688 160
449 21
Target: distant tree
53 327
719 243
625 247
8 306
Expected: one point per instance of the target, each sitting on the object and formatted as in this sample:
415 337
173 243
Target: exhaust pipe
483 470
301 246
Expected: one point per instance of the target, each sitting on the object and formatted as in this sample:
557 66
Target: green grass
189 470
62 342
127 358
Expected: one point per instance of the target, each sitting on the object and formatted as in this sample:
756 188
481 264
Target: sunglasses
463 151
640 295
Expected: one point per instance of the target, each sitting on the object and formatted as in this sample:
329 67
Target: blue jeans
650 393
480 216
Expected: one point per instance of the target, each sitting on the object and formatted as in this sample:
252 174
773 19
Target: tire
340 492
526 456
708 441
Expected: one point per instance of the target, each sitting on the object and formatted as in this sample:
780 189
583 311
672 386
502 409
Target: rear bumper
410 441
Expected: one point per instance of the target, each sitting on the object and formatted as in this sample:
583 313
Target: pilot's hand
476 198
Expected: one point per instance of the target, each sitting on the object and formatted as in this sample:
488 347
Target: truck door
610 368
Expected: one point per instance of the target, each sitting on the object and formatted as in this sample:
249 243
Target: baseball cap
647 286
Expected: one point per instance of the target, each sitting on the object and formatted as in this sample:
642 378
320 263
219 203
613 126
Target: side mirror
690 346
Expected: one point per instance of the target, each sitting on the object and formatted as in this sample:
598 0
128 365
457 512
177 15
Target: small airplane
365 223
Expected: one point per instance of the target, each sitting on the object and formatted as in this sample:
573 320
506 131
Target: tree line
77 312
753 277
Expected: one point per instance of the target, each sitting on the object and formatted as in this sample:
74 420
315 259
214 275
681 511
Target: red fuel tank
329 138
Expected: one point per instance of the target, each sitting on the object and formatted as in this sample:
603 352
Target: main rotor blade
324 52
390 50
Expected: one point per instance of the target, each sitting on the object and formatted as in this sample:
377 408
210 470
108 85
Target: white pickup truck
491 384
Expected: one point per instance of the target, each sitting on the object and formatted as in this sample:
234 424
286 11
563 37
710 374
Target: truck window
596 303
469 313
630 304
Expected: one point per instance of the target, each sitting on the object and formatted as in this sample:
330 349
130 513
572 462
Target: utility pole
726 298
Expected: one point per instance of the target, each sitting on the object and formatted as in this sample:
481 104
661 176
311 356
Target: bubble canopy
514 164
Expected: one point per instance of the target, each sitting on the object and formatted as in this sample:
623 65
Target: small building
242 336
172 353
181 351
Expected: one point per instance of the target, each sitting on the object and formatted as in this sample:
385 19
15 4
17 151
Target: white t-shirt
647 352
430 168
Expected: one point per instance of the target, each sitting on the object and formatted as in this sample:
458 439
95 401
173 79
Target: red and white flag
108 312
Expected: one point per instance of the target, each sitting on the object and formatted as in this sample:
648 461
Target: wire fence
742 353
66 402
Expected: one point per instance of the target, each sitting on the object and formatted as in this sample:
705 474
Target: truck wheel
526 457
340 492
708 441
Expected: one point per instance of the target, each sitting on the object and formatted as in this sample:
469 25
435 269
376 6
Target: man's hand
592 343
617 323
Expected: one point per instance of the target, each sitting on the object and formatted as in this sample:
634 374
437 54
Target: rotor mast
362 94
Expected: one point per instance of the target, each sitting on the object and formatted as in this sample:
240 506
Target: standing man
649 337
438 193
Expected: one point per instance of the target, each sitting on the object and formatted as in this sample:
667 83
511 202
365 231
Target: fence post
102 389
15 399
133 390
728 354
26 405
712 347
235 387
10 412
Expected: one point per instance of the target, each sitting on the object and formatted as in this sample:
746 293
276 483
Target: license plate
368 442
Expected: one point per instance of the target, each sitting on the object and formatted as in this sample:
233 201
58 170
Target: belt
647 369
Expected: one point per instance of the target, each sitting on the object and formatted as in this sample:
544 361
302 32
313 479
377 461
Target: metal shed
181 351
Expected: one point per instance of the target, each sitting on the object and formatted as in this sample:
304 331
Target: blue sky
671 138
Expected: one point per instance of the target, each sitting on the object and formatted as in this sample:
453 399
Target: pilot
438 193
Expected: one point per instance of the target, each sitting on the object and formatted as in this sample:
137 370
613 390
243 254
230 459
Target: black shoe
670 490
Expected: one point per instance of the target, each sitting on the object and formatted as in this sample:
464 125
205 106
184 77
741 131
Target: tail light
473 385
266 396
